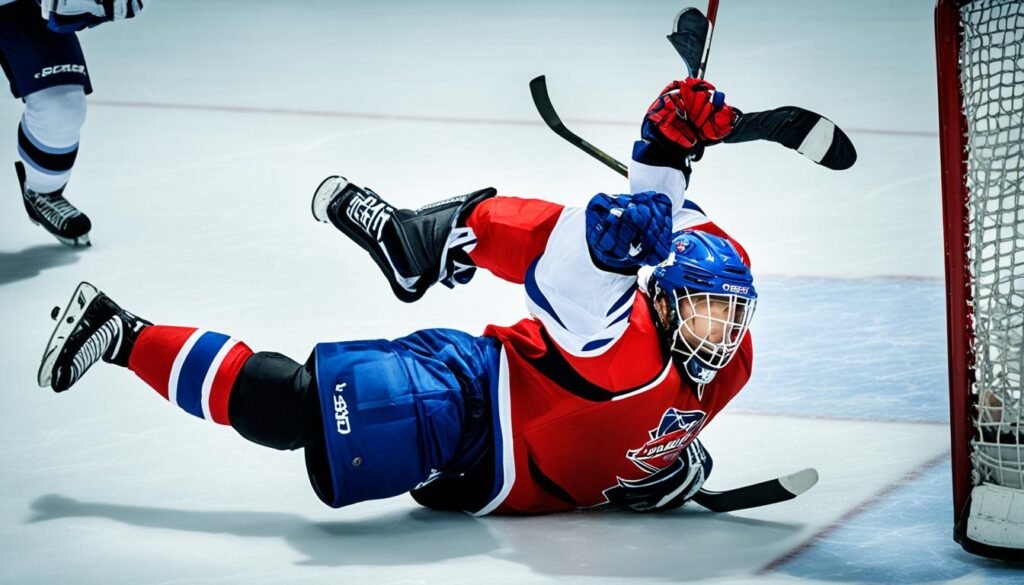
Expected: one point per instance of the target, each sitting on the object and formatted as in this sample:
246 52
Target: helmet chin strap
693 372
697 372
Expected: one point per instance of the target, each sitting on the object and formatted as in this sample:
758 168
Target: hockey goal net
980 55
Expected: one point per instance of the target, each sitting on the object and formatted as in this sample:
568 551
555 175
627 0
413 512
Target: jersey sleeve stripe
596 344
626 296
689 204
625 314
536 296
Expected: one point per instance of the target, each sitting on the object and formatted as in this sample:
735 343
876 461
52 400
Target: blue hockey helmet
712 299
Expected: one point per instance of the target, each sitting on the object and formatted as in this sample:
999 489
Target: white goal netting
992 79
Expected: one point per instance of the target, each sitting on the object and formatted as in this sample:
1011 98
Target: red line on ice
415 118
853 512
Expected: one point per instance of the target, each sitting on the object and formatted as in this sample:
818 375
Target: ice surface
212 123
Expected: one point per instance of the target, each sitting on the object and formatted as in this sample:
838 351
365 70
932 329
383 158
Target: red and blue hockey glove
629 231
688 114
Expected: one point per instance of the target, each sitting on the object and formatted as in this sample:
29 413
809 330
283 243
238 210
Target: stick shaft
764 493
711 15
541 99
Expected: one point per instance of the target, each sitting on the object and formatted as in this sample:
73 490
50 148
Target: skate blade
81 241
325 193
67 319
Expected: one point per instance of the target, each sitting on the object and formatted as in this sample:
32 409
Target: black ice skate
55 213
414 249
90 327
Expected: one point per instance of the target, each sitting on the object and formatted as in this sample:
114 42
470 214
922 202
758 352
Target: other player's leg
47 70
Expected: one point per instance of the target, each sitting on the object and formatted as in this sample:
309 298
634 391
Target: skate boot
90 327
414 249
55 213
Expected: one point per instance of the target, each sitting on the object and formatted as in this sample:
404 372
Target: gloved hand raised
629 231
688 114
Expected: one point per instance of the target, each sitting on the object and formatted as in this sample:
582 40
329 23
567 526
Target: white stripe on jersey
508 458
574 298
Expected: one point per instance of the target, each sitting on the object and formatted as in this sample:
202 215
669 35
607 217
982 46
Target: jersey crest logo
674 433
660 459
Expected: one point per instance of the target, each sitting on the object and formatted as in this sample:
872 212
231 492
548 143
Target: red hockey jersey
588 395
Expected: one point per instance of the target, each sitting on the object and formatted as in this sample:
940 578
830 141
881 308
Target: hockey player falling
594 401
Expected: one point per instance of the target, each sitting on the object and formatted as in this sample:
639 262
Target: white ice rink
210 126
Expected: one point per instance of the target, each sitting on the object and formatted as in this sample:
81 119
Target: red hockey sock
190 367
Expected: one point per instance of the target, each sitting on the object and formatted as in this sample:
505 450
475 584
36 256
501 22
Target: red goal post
980 65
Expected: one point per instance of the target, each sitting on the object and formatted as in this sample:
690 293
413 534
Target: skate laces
54 207
94 347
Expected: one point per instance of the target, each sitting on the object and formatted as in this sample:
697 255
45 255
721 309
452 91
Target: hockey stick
691 37
768 492
804 131
539 91
810 134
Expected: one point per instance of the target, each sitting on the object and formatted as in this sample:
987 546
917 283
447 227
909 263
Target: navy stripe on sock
53 162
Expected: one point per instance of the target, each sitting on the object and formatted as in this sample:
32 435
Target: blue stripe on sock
28 160
193 371
45 147
40 158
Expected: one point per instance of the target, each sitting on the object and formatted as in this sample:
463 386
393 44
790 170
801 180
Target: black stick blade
541 99
812 135
768 492
689 35
539 91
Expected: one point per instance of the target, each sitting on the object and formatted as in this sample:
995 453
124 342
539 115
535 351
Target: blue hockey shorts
397 413
33 57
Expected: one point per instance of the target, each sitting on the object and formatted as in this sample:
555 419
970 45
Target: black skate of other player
55 213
